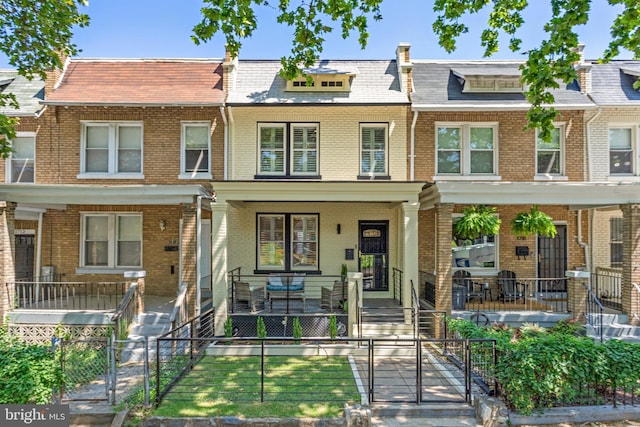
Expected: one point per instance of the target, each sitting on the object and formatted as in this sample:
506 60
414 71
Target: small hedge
539 368
28 372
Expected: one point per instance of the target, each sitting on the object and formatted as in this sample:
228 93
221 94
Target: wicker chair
253 297
334 296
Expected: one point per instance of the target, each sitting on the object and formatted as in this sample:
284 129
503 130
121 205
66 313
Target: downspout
413 146
232 124
198 252
39 247
226 141
582 243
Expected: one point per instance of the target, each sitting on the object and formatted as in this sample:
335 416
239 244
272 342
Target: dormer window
487 80
325 77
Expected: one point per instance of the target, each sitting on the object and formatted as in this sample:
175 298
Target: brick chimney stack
403 59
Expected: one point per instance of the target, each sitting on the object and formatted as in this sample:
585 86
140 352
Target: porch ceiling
56 196
316 191
577 195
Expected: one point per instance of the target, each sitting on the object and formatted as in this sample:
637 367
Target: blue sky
162 28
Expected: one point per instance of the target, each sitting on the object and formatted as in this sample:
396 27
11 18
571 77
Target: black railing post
467 371
157 399
418 343
371 354
262 371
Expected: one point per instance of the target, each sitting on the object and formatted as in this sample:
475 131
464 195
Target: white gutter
226 142
412 155
232 124
584 245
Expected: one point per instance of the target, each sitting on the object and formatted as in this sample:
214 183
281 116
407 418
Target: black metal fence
332 370
606 284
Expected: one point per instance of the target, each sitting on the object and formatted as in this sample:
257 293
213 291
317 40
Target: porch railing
594 312
126 312
66 295
180 312
428 287
606 284
258 298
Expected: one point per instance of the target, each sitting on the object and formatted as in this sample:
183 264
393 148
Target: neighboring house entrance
552 260
374 255
24 256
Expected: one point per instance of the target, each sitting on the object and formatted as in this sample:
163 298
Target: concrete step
425 422
430 410
150 325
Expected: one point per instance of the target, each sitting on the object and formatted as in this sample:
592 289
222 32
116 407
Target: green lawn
293 387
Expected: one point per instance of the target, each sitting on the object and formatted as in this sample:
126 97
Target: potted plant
533 222
477 220
343 273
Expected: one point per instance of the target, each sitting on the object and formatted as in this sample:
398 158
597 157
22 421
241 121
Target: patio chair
253 297
472 289
334 296
510 288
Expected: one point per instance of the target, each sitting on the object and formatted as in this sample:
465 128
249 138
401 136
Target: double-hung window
287 242
621 148
21 162
288 149
111 150
111 240
550 154
373 150
466 149
196 143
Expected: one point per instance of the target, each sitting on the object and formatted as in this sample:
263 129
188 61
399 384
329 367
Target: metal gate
428 370
85 365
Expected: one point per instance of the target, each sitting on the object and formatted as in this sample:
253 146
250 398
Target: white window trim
465 151
193 175
386 148
8 165
562 176
481 271
287 131
112 149
634 176
110 267
287 219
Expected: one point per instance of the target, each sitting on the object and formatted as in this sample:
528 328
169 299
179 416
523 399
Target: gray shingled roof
437 85
28 93
612 83
377 82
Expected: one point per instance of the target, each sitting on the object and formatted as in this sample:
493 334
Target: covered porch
314 230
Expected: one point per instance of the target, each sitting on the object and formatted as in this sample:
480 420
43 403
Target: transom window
111 240
621 147
466 149
550 154
112 149
373 149
287 242
196 142
21 161
288 149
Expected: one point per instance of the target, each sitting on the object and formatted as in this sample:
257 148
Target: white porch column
410 253
219 263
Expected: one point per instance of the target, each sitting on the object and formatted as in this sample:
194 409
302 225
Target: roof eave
497 107
131 104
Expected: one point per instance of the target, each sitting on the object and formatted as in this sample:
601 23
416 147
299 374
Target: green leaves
477 220
533 222
311 21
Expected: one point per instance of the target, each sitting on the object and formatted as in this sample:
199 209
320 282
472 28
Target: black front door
552 260
24 256
374 254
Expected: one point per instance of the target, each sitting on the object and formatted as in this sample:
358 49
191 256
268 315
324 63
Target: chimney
583 69
229 69
55 73
403 60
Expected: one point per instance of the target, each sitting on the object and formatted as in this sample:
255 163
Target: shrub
261 328
569 327
297 329
29 372
333 326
